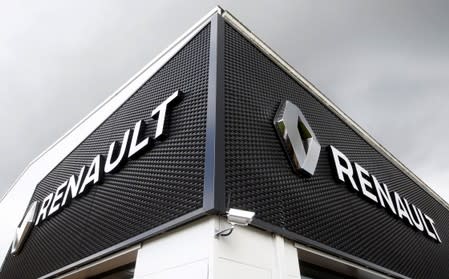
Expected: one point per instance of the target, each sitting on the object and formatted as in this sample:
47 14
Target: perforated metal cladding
164 183
260 178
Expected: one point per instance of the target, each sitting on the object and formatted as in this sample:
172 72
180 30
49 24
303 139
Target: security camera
236 217
240 217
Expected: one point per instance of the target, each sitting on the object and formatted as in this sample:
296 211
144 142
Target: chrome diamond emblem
24 228
298 139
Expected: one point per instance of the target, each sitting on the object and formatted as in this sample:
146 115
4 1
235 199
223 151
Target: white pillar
193 251
253 253
182 253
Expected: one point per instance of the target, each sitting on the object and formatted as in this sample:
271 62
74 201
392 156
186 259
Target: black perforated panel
259 177
164 183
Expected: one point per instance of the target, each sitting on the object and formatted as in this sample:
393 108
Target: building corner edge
214 173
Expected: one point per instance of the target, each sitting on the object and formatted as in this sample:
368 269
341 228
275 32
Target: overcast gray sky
385 63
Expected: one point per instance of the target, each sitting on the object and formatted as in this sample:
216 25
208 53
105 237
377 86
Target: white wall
193 251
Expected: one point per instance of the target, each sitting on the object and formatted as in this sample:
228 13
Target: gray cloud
385 63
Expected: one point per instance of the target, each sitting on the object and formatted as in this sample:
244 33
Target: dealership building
219 160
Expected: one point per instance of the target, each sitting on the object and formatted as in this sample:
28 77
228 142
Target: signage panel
356 222
139 172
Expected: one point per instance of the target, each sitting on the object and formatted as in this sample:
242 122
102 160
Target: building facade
143 187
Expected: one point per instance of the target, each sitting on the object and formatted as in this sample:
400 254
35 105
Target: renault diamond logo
297 137
24 228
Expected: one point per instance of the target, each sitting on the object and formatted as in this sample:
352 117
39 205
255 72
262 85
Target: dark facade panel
164 183
258 176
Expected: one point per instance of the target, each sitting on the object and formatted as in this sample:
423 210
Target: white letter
383 194
159 113
363 182
418 223
94 174
73 186
58 195
344 173
135 148
429 233
110 165
44 207
402 212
